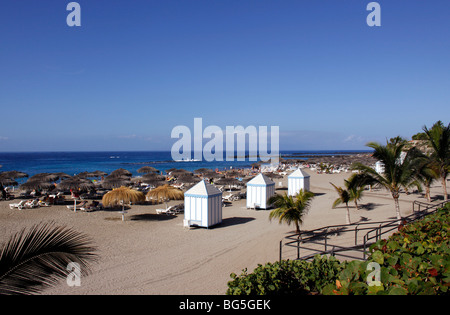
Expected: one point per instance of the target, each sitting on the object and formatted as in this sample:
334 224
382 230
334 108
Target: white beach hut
202 205
379 167
299 179
259 190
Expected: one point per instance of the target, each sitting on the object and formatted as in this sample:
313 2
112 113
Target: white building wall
203 211
259 195
297 183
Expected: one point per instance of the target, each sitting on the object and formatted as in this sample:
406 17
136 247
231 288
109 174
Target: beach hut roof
203 189
261 179
299 174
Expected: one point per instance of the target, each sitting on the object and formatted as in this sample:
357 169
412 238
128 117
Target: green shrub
286 277
414 260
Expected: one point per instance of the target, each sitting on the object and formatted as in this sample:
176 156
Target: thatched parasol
115 182
96 174
165 193
49 177
122 196
147 169
203 171
232 173
180 172
188 179
8 182
213 175
120 172
228 181
155 182
36 185
153 176
273 175
13 174
76 183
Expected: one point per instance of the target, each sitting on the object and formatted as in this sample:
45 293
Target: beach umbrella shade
115 182
180 172
49 177
75 183
232 173
273 175
8 182
155 182
36 185
81 175
188 179
121 172
147 169
213 175
227 181
122 196
203 171
92 174
40 177
13 174
60 175
165 193
153 176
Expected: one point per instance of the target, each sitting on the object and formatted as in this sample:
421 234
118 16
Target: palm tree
290 210
37 259
427 173
399 171
439 141
355 189
344 197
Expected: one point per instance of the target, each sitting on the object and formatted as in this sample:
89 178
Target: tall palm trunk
297 227
427 192
444 187
395 195
348 215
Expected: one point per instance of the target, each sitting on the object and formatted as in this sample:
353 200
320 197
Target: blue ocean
73 163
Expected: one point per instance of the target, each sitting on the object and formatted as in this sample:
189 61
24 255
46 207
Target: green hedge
286 277
414 260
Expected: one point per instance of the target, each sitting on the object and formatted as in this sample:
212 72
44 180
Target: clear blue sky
136 69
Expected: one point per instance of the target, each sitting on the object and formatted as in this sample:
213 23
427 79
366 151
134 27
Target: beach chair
19 205
169 210
79 206
178 208
43 203
95 205
31 204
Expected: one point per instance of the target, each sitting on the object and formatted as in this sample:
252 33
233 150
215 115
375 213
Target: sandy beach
154 254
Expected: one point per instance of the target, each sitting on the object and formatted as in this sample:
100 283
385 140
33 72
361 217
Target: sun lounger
27 204
31 204
43 203
95 205
19 205
78 206
169 210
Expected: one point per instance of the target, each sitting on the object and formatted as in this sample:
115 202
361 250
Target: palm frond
33 260
289 210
